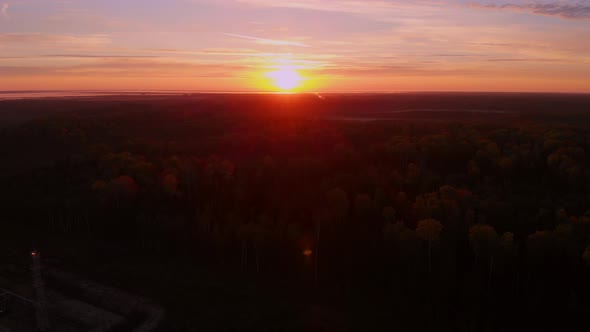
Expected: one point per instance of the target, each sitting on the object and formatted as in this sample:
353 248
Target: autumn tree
484 241
429 230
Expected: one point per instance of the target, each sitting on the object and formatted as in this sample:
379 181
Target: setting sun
286 79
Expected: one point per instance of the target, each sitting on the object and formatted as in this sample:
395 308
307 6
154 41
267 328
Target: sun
286 79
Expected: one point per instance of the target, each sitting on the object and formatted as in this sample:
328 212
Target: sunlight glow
286 78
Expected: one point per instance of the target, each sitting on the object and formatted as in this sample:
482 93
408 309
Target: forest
409 212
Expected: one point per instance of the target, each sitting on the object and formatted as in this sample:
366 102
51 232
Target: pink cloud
4 10
569 10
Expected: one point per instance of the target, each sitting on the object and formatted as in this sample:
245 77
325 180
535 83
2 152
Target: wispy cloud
268 41
576 10
128 67
39 41
4 10
350 6
569 9
99 56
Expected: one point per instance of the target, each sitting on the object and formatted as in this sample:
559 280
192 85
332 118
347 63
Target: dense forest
476 219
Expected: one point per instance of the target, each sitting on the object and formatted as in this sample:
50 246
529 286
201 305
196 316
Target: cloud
393 70
349 6
268 41
575 10
99 56
569 9
4 10
525 60
129 67
41 39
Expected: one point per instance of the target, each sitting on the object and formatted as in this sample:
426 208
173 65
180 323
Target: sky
334 45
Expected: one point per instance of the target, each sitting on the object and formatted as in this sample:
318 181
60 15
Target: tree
586 255
363 206
388 214
484 241
429 230
506 246
337 204
319 219
402 241
259 235
170 184
337 207
506 243
540 246
542 254
403 247
244 234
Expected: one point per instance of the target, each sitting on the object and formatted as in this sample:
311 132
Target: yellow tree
429 230
401 240
506 245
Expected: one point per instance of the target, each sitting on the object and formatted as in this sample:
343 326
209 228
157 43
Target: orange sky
334 45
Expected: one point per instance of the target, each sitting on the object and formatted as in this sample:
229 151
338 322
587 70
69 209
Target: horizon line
174 91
